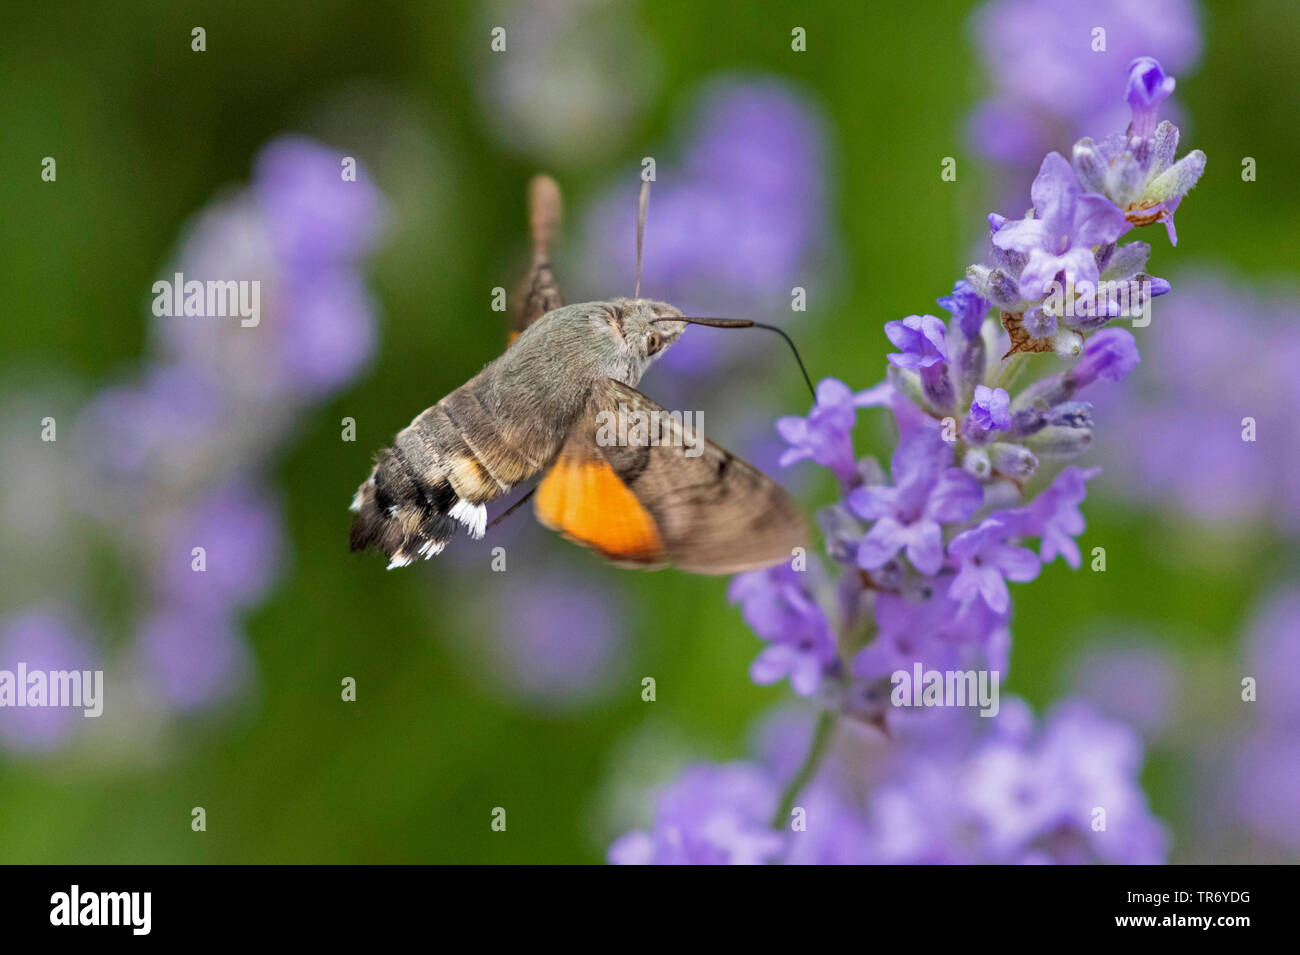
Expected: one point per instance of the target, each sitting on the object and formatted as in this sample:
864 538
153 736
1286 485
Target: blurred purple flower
144 430
712 815
239 528
1272 657
315 218
1039 802
1264 769
555 639
1011 794
327 332
173 459
195 658
1138 685
1250 776
1004 132
1191 383
1002 792
735 222
43 639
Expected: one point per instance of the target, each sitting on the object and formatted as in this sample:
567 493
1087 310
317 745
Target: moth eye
651 343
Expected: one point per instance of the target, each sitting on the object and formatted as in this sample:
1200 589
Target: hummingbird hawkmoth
641 502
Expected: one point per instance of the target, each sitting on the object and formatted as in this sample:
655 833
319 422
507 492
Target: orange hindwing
584 499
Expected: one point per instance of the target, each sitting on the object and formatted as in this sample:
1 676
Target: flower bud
1110 354
1071 414
1013 460
977 464
1059 442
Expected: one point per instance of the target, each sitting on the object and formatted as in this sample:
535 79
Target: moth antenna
544 211
642 204
747 323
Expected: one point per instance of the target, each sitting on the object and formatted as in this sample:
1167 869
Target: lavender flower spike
923 561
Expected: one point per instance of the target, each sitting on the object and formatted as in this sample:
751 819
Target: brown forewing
715 512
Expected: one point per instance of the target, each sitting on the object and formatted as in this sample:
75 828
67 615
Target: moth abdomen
441 472
401 512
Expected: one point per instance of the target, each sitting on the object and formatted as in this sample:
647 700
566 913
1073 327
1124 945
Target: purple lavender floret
1058 239
986 561
923 344
921 339
932 628
1148 87
967 307
1110 355
1054 516
825 434
990 410
927 492
801 644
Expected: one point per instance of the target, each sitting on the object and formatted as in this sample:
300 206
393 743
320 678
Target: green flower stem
821 743
1011 370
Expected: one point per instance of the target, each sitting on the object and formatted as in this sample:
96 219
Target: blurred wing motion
539 293
649 505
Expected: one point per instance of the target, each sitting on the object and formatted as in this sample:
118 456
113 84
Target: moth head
647 328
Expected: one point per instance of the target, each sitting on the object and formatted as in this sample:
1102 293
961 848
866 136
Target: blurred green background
146 131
